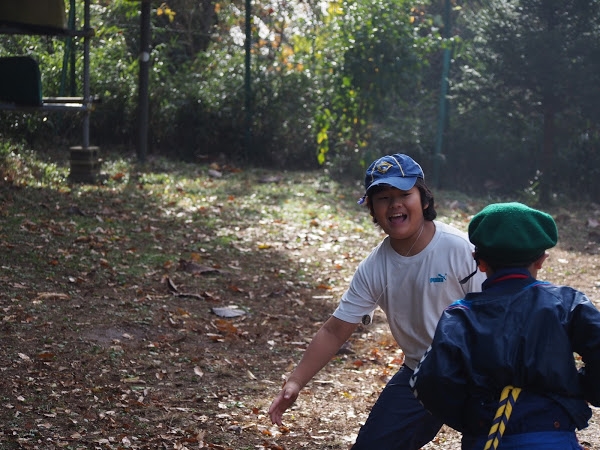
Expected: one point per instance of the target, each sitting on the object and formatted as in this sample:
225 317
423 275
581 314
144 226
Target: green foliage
200 111
532 69
335 85
541 48
311 91
114 76
499 160
377 104
21 167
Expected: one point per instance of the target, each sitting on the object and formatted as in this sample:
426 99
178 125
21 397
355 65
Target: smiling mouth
398 218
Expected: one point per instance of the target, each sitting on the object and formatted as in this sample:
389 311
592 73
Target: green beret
512 233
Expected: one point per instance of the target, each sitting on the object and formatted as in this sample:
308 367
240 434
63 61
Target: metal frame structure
85 103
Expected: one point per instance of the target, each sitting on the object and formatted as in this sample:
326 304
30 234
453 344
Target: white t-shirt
412 291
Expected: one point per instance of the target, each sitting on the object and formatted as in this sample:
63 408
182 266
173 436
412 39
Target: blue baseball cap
397 170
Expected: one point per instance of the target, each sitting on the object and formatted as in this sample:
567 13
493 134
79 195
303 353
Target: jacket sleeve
585 335
440 380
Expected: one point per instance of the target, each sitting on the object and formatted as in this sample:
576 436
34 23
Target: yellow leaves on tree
168 12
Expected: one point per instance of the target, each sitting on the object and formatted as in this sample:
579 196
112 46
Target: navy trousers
547 440
397 421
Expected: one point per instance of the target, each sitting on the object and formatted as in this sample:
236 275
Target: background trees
336 83
529 79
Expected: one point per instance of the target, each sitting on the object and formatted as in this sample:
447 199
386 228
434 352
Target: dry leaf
46 356
192 267
170 285
130 380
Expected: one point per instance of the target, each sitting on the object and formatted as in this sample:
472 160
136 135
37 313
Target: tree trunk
546 165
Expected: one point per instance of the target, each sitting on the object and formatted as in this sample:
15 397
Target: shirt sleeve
358 300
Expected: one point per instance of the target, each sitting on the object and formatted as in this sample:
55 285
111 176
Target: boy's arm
586 342
323 347
440 381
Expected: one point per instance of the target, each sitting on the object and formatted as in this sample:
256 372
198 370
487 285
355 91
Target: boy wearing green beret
501 366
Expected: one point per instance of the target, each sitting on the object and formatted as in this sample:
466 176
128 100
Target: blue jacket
518 331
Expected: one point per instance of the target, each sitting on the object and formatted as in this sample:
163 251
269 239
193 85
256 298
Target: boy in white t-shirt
412 275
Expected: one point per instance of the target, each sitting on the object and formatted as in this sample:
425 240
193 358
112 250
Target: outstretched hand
319 352
286 398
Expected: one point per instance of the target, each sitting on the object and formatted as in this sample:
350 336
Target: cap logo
383 167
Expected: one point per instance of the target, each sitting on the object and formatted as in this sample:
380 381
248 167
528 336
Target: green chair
20 81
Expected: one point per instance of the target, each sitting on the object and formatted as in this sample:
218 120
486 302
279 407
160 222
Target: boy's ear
483 266
540 261
478 261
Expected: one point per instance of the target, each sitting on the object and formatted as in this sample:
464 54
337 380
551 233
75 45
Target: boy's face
399 213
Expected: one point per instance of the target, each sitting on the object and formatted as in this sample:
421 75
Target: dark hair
429 213
496 266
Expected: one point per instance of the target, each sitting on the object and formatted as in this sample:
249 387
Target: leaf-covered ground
163 307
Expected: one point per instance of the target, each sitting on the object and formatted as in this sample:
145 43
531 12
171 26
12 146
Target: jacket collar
502 276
